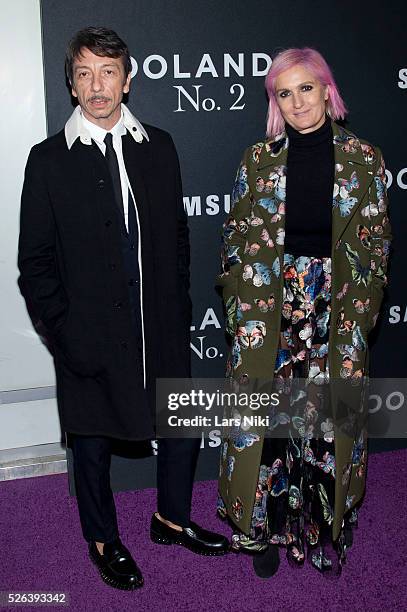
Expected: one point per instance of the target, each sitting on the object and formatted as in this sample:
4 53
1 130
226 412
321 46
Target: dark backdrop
364 43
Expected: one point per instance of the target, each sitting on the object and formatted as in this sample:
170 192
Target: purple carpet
42 549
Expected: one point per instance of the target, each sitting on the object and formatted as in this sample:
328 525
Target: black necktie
113 164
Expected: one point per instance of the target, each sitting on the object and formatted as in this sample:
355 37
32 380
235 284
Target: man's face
99 84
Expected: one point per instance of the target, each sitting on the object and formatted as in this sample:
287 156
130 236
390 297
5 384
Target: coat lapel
351 180
137 160
98 155
89 156
92 170
270 191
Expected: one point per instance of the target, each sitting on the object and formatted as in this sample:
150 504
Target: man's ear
126 86
73 90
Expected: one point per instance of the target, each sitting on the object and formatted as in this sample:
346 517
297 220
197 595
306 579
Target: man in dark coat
104 262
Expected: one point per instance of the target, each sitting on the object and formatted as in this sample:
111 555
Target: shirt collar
78 126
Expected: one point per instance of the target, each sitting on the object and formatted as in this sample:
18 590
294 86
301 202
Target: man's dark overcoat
73 275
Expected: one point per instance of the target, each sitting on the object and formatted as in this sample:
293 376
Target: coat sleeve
234 239
380 229
380 234
37 260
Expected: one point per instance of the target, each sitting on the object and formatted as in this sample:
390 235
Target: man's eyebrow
82 66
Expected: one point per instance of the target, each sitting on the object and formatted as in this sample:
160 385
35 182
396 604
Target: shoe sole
157 539
113 583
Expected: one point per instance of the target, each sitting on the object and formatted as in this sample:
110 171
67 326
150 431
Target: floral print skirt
296 484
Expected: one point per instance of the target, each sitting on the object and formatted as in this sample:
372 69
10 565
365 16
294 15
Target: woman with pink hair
304 267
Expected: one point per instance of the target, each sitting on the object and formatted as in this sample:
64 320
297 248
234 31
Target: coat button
113 266
118 304
124 344
101 183
132 247
108 223
132 282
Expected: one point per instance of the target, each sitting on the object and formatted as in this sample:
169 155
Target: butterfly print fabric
295 492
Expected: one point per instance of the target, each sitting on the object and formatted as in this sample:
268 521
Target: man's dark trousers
176 462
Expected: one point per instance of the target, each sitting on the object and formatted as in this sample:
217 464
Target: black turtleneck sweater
310 180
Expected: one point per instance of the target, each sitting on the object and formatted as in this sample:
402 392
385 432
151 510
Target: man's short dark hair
100 41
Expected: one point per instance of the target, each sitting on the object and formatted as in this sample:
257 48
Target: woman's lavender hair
312 61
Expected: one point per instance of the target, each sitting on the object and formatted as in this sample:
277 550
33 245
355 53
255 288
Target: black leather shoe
116 566
266 563
194 538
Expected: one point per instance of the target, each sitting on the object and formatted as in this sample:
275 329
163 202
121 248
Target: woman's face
301 99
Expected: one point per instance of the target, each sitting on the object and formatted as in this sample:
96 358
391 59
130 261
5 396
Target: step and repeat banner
198 72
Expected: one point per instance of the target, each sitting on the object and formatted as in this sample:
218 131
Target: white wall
24 361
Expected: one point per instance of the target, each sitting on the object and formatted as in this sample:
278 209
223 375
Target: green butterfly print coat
252 263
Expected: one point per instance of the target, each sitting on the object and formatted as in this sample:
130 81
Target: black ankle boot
266 564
